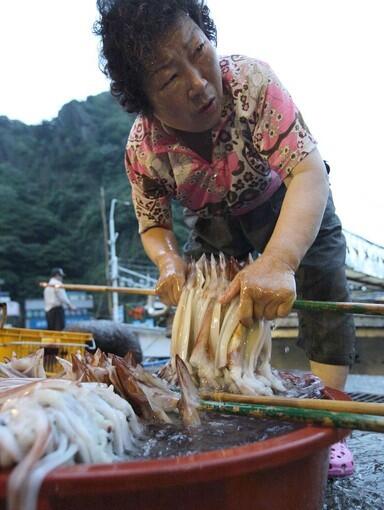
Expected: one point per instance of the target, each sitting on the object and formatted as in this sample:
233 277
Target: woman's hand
161 247
266 287
172 278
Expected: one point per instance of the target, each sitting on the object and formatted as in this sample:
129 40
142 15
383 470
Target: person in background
54 301
223 136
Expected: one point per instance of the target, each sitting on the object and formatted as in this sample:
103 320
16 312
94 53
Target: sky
328 54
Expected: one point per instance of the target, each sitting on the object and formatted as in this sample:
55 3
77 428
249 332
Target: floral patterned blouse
260 139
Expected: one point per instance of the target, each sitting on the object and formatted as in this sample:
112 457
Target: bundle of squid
54 422
28 366
150 396
80 418
220 353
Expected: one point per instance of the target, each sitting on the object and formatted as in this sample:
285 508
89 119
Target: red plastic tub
288 472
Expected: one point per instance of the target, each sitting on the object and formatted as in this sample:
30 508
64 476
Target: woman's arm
302 211
267 286
161 247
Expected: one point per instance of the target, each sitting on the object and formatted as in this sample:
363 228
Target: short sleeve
280 135
150 192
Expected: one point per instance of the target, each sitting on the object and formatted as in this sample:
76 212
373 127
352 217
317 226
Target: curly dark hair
129 31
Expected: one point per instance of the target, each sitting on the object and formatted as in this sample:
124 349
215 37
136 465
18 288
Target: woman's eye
170 80
200 48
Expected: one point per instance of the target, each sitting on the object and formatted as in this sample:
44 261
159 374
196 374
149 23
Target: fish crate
23 341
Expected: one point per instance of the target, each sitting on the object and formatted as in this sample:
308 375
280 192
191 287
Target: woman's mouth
208 107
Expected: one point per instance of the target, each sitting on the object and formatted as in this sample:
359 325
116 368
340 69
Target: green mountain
50 207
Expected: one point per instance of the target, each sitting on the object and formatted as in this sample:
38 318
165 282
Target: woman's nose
196 82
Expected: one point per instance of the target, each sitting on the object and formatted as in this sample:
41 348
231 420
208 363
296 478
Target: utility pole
105 243
113 235
114 261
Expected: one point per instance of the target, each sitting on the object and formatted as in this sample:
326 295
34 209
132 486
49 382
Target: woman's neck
201 143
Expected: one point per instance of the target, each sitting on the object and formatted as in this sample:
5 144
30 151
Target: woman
223 136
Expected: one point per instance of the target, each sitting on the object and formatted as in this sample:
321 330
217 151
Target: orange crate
23 341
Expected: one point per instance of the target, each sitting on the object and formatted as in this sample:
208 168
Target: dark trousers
326 337
55 318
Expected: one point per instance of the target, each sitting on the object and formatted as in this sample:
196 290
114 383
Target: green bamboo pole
309 416
333 306
321 404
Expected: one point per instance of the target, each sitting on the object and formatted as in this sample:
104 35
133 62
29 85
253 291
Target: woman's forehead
181 32
178 37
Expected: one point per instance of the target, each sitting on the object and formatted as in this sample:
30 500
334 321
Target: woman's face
184 84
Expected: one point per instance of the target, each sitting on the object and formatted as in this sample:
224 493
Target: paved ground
365 489
366 383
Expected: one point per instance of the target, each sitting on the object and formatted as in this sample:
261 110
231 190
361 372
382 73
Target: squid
48 423
219 352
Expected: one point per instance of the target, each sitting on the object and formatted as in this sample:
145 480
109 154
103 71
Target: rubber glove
171 281
266 287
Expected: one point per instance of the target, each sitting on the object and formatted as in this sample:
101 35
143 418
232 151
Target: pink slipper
340 460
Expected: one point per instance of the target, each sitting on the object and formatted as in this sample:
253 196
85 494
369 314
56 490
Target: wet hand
266 288
172 278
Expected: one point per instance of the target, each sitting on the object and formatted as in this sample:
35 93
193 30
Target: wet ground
365 489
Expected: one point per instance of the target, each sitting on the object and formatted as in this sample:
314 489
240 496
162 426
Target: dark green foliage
50 180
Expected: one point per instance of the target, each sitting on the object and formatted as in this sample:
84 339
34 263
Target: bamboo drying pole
299 304
340 406
101 288
310 416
